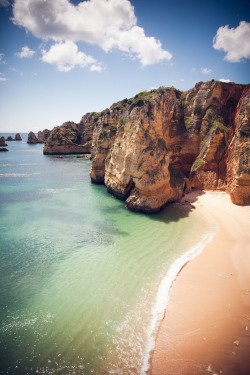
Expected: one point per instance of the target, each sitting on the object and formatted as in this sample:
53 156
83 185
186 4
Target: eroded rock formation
3 142
18 137
40 138
71 138
149 149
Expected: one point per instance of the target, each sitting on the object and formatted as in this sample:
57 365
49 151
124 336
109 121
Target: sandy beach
206 327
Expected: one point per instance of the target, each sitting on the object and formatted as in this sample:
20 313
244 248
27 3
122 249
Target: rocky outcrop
32 139
238 154
150 149
72 138
40 138
2 149
9 139
18 137
2 142
104 134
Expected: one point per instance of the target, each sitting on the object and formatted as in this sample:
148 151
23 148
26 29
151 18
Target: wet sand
206 327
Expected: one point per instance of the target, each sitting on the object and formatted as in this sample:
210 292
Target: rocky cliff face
238 154
149 149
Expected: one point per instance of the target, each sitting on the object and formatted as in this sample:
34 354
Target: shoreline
206 327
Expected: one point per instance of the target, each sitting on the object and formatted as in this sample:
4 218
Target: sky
60 59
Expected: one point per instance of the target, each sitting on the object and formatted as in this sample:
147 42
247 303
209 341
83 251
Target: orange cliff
150 149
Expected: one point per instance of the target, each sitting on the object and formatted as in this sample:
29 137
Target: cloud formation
3 78
110 24
65 56
2 61
235 41
206 70
26 53
224 80
4 3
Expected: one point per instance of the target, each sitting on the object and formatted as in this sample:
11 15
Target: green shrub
88 144
120 123
197 164
112 129
245 130
187 120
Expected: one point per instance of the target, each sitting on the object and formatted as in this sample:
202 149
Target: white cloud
224 80
206 70
2 77
2 61
96 68
235 41
106 23
26 53
4 3
65 56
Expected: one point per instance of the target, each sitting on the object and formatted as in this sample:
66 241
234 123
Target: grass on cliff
245 130
199 162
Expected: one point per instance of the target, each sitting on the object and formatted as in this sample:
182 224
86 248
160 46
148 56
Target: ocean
84 281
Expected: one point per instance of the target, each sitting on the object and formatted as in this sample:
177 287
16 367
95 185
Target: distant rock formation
32 139
43 135
2 142
18 137
3 149
150 149
9 139
71 138
40 138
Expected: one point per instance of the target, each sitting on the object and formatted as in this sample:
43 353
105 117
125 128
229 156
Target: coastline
206 327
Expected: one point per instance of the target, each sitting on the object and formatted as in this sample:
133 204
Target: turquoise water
83 280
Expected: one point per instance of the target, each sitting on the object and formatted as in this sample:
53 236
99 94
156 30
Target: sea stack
32 139
2 142
9 139
40 138
18 137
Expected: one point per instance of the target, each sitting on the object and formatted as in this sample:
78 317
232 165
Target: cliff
150 149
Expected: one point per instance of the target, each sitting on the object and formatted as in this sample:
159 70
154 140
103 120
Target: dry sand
206 328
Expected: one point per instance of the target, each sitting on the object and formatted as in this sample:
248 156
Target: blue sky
60 59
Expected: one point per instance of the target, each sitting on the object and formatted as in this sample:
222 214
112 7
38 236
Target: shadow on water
171 212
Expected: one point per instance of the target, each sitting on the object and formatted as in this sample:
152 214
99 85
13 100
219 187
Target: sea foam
163 294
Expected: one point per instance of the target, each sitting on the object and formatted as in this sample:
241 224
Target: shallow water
79 272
